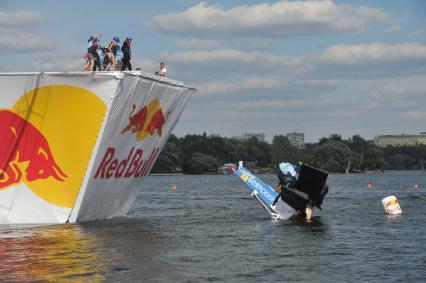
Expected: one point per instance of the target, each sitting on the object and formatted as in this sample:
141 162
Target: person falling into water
287 180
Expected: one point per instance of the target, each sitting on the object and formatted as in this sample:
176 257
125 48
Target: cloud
16 38
197 44
224 69
228 55
25 42
250 84
232 61
269 85
397 95
55 62
369 14
20 19
405 89
396 28
263 115
415 115
371 53
417 33
236 72
280 19
304 103
227 70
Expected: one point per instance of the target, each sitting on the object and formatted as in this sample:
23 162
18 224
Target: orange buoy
369 185
174 187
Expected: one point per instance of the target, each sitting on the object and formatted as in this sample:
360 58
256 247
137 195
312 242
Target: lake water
209 229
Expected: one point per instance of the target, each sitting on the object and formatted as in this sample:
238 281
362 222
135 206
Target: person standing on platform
92 53
127 54
163 70
113 47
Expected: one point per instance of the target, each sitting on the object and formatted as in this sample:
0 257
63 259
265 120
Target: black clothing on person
286 180
127 54
94 46
126 63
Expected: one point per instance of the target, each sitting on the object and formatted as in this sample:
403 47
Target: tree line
198 154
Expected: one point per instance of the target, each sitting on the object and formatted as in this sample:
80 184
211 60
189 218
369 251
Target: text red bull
22 142
132 166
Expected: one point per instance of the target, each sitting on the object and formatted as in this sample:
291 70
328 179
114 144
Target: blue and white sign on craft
265 192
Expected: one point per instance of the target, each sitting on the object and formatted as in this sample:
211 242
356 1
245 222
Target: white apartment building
297 139
400 140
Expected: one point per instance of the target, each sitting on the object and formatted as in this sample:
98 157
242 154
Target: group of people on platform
112 57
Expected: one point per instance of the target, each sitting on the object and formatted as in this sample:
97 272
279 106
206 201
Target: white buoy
391 205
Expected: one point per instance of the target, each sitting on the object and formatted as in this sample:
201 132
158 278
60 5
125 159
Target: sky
272 67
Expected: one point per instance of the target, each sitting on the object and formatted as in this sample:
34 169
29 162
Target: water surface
209 229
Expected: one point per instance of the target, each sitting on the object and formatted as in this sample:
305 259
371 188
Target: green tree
258 152
202 163
168 160
373 158
202 153
283 150
332 156
405 157
401 161
308 153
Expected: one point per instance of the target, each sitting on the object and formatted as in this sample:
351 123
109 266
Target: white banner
142 116
70 141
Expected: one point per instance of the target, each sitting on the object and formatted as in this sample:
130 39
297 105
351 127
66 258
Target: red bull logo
24 152
44 146
391 202
147 121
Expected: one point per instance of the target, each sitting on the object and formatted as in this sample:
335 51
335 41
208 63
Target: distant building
297 139
247 136
400 140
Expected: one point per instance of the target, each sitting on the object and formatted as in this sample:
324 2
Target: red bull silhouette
156 123
147 121
23 145
392 202
136 121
